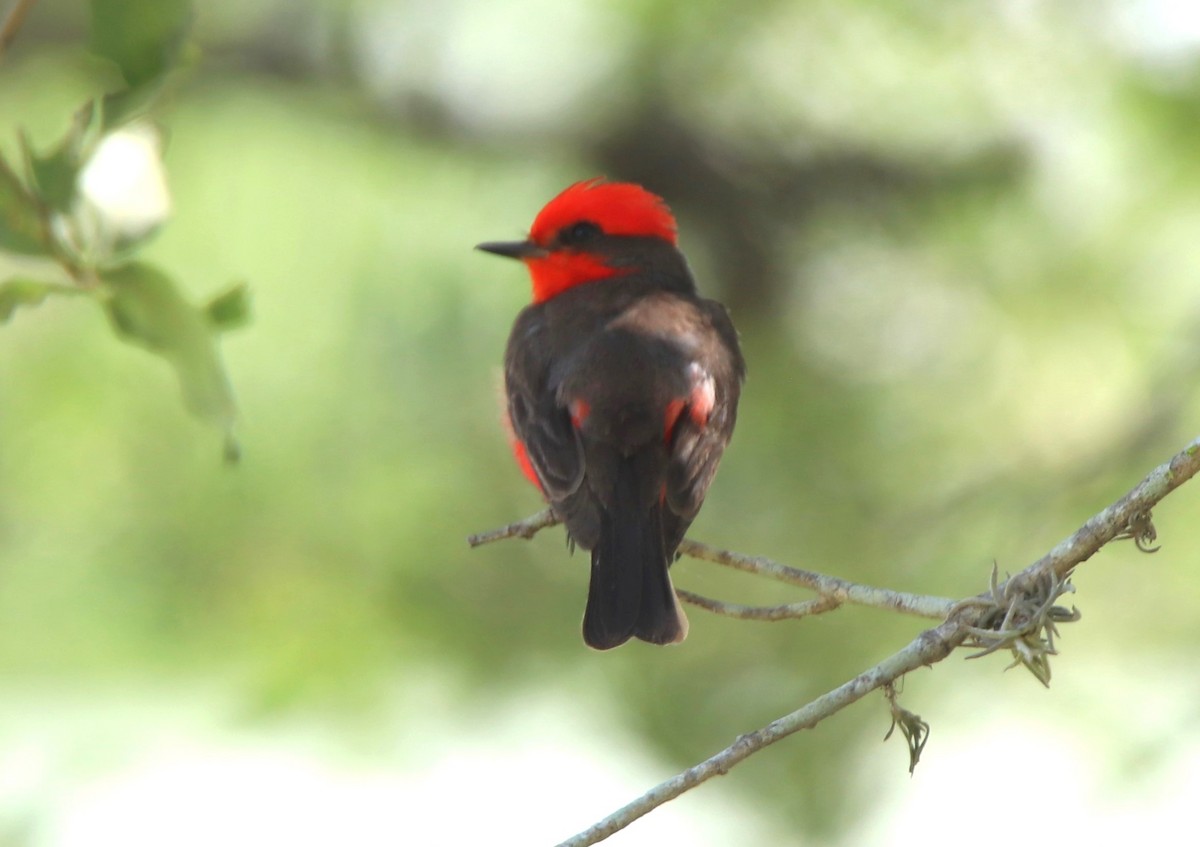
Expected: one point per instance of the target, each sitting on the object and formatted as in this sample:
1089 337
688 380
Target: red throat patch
556 272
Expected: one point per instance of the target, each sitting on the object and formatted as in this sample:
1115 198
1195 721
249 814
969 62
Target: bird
622 386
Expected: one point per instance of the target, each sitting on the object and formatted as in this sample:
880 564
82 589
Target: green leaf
55 175
121 107
147 309
230 309
143 37
20 218
20 291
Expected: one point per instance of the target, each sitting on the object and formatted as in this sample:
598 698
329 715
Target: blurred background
962 245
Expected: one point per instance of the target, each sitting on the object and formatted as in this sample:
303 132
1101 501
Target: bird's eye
579 233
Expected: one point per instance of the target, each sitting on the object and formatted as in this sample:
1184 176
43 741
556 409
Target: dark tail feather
630 594
661 619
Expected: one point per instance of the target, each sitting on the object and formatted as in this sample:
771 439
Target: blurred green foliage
20 231
50 215
142 39
959 245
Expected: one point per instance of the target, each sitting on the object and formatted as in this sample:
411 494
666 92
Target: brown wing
544 427
698 444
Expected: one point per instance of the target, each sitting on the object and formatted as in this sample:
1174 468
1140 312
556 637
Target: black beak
513 249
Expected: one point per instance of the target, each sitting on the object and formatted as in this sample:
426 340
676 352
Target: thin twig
787 611
1113 523
930 646
839 590
12 22
833 590
526 528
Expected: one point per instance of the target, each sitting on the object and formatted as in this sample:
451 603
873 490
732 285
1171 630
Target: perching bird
622 387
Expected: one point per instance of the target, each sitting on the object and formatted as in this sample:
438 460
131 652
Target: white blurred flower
123 192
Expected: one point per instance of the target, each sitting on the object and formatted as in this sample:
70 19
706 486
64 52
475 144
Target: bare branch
833 590
838 590
1130 512
931 646
787 611
520 529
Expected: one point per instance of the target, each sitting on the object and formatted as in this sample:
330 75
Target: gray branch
838 591
786 611
930 646
1122 519
834 591
1017 614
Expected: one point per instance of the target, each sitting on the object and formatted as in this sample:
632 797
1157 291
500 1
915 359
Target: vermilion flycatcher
622 386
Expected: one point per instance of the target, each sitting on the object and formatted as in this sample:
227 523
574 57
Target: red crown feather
618 208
